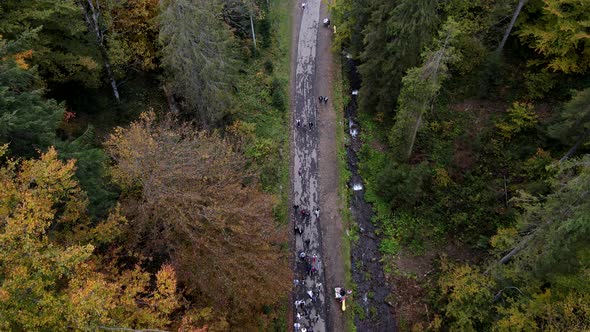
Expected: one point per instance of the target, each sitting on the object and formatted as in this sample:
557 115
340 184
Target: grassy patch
263 100
282 24
262 117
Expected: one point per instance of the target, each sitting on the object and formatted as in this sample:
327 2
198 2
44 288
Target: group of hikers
308 264
308 287
307 267
322 99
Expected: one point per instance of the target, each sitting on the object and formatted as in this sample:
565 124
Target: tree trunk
170 98
253 33
511 25
110 74
431 76
92 20
415 132
576 146
514 251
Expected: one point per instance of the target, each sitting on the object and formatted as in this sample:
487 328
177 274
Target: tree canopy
190 197
473 120
197 52
49 278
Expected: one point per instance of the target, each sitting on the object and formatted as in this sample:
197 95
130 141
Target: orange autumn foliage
50 276
20 58
192 199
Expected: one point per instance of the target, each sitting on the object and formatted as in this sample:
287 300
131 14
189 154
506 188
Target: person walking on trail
325 100
303 5
316 211
298 122
321 98
298 229
310 125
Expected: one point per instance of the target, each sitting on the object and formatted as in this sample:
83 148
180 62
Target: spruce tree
64 51
573 127
420 87
394 39
27 120
196 53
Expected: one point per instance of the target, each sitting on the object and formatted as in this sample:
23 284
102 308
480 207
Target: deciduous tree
192 199
49 278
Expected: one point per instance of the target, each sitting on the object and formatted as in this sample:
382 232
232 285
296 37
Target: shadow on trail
367 270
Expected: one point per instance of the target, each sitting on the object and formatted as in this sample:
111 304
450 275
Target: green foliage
504 239
420 86
350 18
359 311
548 312
545 286
60 59
279 98
131 33
394 38
519 117
407 230
558 31
197 54
538 84
480 171
265 31
468 295
401 184
574 119
561 223
389 246
27 120
537 167
91 172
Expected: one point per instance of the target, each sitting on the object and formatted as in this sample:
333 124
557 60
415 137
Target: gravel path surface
332 227
309 272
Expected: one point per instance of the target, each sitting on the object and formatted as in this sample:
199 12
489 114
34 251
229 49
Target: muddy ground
309 292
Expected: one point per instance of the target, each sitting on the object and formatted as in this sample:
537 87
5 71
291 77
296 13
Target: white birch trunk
511 25
92 20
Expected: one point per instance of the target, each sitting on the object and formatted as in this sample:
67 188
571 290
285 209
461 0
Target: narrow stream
367 269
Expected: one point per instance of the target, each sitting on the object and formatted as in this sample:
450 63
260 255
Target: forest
476 124
142 156
145 161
